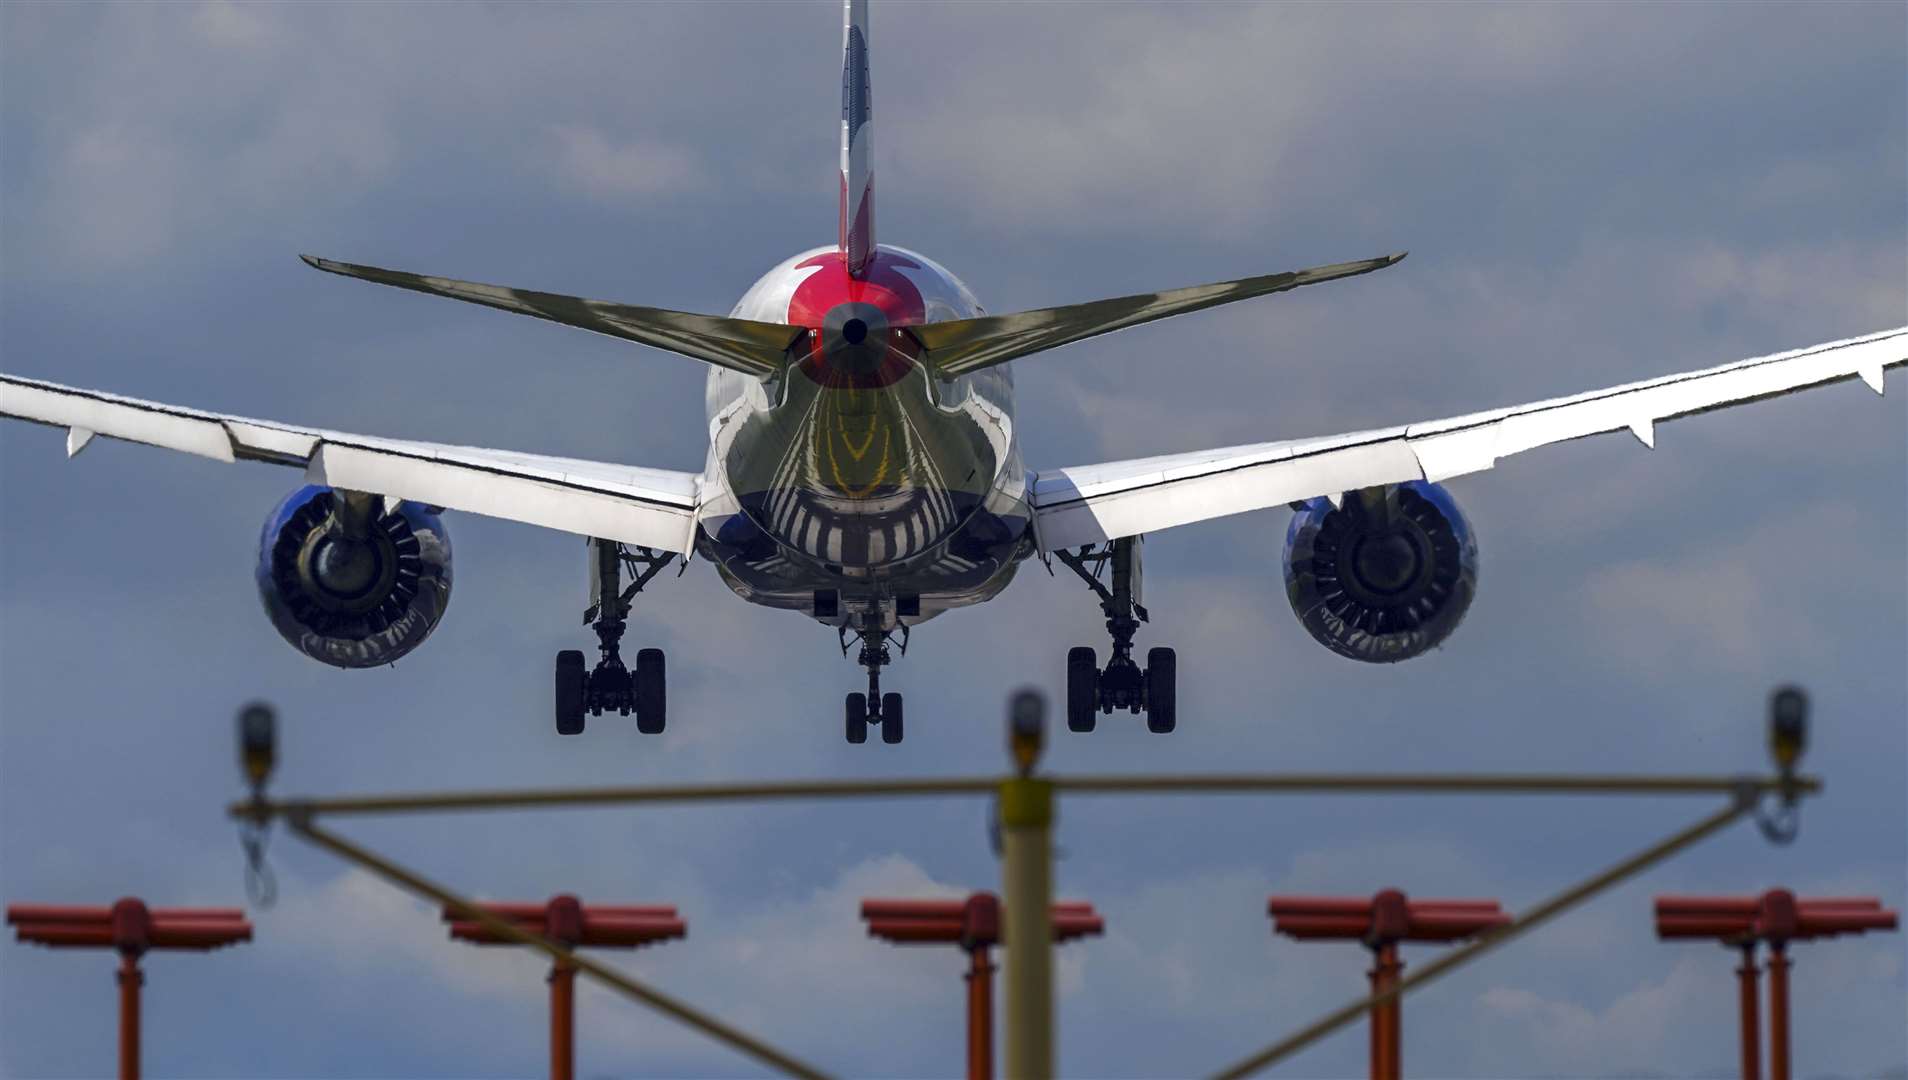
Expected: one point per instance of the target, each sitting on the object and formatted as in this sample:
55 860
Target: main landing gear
611 687
874 707
1123 684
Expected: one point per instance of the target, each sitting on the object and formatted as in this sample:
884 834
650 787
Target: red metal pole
1746 976
1778 1011
1394 1012
130 979
1377 1020
1387 1021
562 1021
980 1016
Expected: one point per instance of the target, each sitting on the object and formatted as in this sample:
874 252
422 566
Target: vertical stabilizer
857 131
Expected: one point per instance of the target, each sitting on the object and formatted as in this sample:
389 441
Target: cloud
1726 598
586 158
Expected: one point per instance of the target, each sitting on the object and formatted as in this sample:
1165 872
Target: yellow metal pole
1373 783
1026 873
608 796
1026 884
1436 784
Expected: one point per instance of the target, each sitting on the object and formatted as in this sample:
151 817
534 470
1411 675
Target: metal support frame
1025 807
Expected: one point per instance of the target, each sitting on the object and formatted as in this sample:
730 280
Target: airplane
864 470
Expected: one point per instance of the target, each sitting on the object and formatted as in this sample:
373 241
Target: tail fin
857 131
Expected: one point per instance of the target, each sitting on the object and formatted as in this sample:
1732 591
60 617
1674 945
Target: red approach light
1776 917
133 929
1380 922
972 923
570 922
1389 916
573 924
129 926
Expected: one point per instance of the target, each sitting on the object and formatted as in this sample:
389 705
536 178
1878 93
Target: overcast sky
1590 193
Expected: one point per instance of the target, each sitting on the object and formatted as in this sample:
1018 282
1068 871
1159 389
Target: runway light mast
1777 918
1380 922
133 929
572 924
975 925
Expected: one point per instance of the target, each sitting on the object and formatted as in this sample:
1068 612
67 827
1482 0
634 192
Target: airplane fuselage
858 481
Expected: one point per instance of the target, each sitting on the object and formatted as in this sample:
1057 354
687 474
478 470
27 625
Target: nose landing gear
874 707
612 687
1123 684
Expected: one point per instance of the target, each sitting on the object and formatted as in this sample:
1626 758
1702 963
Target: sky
1590 194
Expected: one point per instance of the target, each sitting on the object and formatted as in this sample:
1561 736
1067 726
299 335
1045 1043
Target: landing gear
1123 684
874 707
611 687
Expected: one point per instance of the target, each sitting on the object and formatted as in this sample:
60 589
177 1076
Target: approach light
1026 728
1788 726
258 742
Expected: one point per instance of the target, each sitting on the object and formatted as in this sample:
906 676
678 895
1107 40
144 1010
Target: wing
651 507
963 345
753 348
1096 503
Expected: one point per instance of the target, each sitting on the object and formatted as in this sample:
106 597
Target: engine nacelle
353 581
1385 577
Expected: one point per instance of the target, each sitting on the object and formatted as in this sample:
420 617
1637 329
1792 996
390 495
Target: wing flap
1096 503
651 507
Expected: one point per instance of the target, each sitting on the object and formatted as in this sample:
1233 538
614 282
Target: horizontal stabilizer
964 345
753 348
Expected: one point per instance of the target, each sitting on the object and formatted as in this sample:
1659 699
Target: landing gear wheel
1083 682
891 729
651 692
571 685
1162 690
857 710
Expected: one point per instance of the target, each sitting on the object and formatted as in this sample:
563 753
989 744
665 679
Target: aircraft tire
892 730
1162 691
1083 683
652 692
857 710
571 684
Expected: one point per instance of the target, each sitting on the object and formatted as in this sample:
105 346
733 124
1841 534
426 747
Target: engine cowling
353 583
1386 576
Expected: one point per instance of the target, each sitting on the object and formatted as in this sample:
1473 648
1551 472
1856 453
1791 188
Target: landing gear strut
611 687
874 707
1123 684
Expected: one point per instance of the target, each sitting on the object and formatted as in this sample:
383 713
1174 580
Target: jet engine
1385 576
350 579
